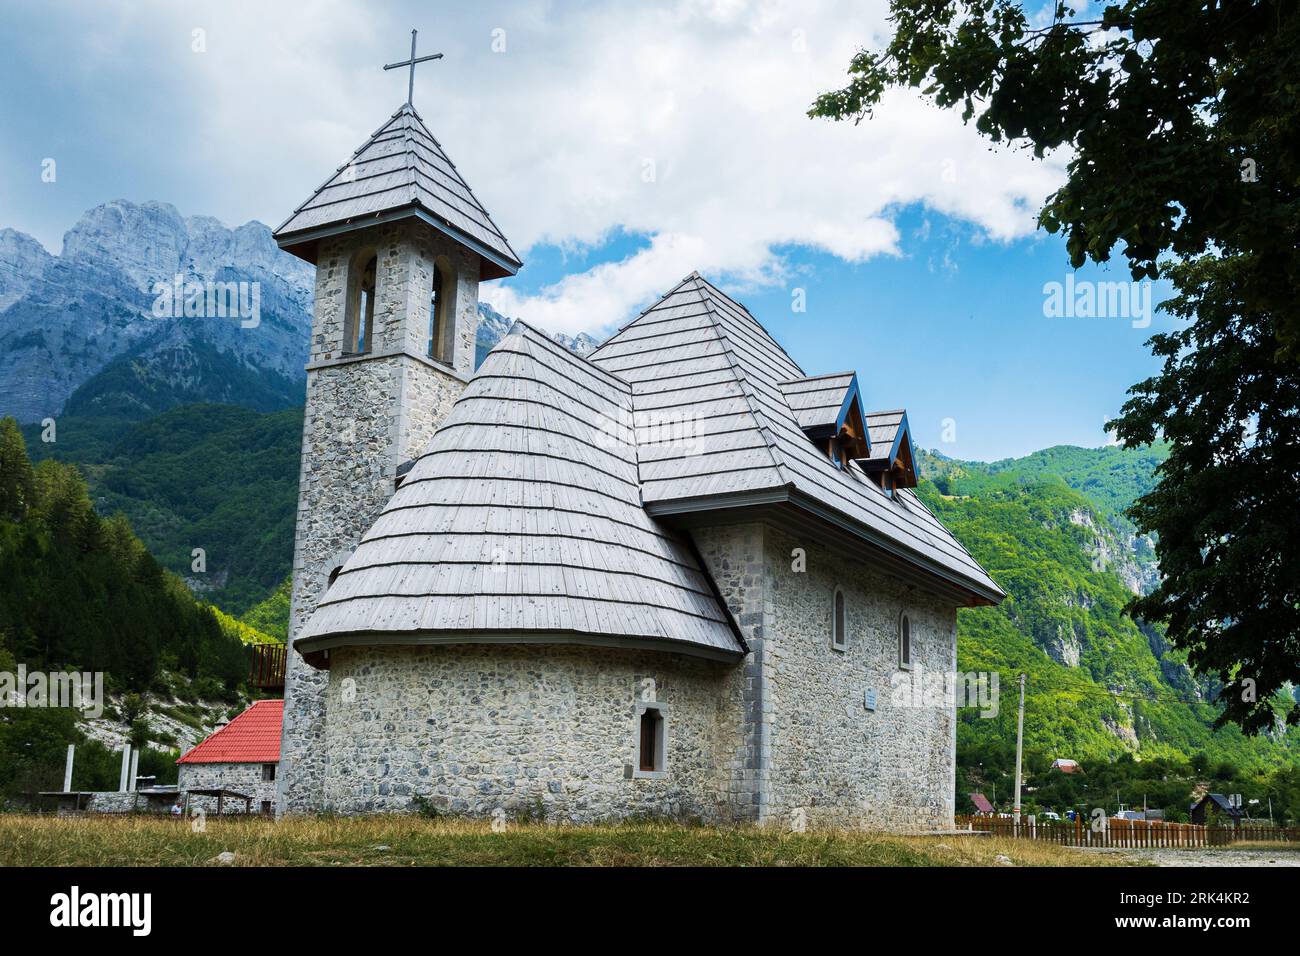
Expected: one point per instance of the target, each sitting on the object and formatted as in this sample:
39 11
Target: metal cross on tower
410 87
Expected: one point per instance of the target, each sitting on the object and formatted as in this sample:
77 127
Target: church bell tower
400 246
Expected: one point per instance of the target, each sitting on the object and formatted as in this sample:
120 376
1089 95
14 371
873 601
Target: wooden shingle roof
401 171
701 351
523 521
538 511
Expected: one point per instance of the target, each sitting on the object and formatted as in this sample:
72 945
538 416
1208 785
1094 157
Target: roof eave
979 594
974 593
302 242
317 645
850 394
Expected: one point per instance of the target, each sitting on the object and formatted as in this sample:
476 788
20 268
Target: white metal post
1020 745
67 769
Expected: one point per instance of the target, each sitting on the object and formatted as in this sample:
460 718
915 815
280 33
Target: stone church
678 576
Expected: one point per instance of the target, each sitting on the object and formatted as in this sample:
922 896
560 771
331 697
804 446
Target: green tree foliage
271 616
81 592
1112 477
1163 783
217 477
17 482
1182 122
1100 684
1225 508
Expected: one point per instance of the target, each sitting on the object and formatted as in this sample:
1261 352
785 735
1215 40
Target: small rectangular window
838 639
268 772
651 740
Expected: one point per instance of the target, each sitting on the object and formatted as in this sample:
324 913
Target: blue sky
618 147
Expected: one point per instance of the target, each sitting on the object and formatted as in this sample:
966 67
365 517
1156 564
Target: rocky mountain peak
145 242
84 323
151 242
23 262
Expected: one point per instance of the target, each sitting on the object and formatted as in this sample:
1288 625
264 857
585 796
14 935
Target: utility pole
1020 746
72 751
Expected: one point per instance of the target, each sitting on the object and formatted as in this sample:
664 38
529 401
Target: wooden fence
1126 833
267 665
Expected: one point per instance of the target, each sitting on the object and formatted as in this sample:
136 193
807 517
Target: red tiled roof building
242 757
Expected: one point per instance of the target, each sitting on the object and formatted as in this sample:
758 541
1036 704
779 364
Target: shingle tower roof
401 171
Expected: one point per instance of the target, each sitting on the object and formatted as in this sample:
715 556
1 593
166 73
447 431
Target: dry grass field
416 841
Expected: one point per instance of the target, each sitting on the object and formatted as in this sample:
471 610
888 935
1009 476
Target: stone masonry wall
365 416
811 753
784 738
833 761
474 728
116 801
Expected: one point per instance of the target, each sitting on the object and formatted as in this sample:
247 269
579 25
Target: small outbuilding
1066 766
1215 804
982 805
240 759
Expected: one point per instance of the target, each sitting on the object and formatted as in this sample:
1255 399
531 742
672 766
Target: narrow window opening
905 642
651 738
360 323
649 733
268 772
837 622
442 306
334 576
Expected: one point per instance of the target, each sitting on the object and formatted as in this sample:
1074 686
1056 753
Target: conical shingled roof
523 520
400 171
699 350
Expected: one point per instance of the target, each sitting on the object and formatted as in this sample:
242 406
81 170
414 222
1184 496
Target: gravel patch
1203 856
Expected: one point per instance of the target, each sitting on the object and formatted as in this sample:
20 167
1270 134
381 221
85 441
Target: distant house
1201 809
242 758
982 805
1066 766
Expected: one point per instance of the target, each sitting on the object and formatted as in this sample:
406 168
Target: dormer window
892 462
829 411
834 450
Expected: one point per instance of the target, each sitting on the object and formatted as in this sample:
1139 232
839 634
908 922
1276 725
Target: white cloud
557 133
715 96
